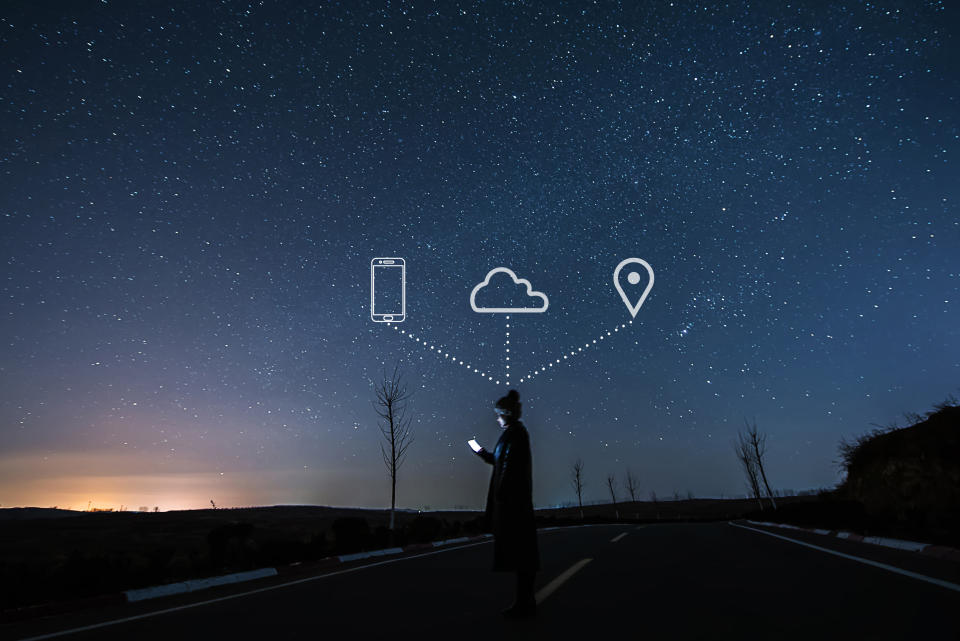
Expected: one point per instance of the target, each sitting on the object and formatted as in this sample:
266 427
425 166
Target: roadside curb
158 591
929 549
192 585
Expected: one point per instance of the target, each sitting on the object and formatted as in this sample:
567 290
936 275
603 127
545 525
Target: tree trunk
393 469
393 497
769 493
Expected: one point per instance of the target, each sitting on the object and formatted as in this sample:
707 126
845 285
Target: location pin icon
633 277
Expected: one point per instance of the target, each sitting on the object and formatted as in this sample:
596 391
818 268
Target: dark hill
29 513
909 474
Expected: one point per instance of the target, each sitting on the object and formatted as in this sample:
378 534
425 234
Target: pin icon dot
633 277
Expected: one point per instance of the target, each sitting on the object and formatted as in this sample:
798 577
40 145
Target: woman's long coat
510 502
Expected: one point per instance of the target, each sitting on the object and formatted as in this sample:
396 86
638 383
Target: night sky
192 194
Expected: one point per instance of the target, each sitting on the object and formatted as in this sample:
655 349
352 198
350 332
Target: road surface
664 581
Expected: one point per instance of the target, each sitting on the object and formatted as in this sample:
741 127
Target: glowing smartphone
474 445
388 290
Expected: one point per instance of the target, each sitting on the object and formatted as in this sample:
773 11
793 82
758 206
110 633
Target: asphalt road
665 581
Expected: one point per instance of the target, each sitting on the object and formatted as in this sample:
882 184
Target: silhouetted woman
510 505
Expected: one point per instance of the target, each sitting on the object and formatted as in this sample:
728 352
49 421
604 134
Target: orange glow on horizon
82 481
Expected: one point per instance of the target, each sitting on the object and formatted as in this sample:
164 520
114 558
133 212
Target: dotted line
445 354
574 352
507 345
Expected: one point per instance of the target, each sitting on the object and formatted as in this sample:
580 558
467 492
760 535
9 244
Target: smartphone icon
388 290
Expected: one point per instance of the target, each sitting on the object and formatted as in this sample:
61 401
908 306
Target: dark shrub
230 544
319 546
454 529
351 534
909 475
381 538
423 529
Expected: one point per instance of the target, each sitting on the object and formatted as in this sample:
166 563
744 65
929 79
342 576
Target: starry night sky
192 194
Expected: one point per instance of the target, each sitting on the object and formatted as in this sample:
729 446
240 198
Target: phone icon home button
388 318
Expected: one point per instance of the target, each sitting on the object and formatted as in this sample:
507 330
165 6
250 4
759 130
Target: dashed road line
551 587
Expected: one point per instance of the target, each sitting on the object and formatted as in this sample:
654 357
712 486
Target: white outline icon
391 263
508 310
616 283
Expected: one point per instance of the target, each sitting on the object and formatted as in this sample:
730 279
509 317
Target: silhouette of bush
827 512
474 526
159 558
351 534
180 565
453 530
381 538
87 574
230 544
911 475
423 529
277 551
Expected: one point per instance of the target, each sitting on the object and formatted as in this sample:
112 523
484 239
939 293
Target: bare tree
758 444
391 406
577 481
612 486
632 488
745 456
631 484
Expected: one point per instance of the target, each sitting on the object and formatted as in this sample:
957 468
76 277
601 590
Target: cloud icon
508 310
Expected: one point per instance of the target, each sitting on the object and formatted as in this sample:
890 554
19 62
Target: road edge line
876 564
898 544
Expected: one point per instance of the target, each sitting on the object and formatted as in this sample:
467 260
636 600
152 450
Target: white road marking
551 587
240 594
876 564
618 537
